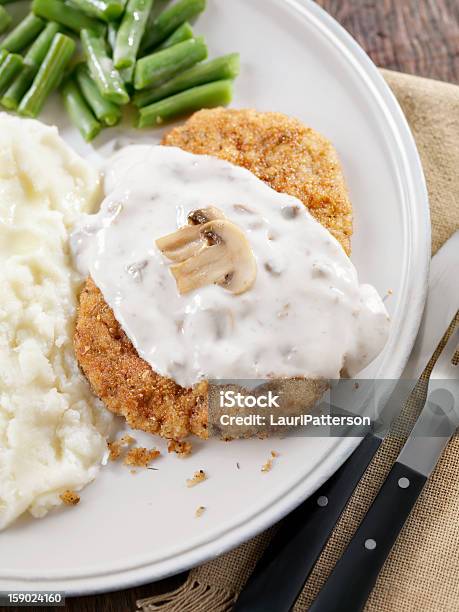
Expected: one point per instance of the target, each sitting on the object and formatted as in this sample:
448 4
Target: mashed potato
52 429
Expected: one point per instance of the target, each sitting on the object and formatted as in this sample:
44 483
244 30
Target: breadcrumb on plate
267 467
199 511
141 457
70 498
116 447
198 477
179 447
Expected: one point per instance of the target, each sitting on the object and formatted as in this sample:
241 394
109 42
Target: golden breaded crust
290 157
125 382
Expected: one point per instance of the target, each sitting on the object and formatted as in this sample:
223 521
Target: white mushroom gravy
305 315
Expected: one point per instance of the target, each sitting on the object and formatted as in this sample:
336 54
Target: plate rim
419 252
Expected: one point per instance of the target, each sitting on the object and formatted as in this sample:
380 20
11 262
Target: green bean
100 65
69 16
5 20
112 30
40 47
107 10
225 67
127 74
182 33
79 112
210 95
169 20
130 32
15 92
10 67
48 76
3 54
23 34
157 68
106 111
32 60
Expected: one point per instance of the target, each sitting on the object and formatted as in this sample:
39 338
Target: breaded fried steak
290 158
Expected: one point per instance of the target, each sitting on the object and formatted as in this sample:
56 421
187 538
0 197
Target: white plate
130 529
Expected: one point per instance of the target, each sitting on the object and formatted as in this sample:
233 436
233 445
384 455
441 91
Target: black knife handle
355 574
286 564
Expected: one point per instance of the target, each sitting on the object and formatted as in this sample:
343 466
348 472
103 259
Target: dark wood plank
415 36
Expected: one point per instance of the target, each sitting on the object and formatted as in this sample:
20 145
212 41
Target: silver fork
440 417
355 574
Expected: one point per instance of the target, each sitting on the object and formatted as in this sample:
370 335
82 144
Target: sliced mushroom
187 241
182 244
204 215
225 259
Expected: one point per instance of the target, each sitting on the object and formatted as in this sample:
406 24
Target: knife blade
296 546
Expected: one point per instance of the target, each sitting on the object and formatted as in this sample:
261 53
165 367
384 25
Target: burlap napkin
422 572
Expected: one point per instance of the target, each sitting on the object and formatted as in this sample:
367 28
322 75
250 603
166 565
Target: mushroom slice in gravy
187 241
215 252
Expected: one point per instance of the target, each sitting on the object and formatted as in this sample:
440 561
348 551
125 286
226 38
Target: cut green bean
3 54
69 16
15 92
79 112
210 95
169 20
112 30
157 68
40 47
5 20
11 66
23 34
48 76
182 33
32 60
106 111
107 10
106 77
225 67
127 74
130 32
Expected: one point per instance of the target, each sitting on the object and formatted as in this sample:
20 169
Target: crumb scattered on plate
181 448
140 457
117 446
388 294
198 477
70 498
199 511
267 467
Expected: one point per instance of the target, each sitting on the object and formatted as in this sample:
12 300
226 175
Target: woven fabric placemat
422 571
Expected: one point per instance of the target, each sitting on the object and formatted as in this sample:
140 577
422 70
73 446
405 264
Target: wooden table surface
415 36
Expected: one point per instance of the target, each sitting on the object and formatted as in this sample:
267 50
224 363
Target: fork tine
443 367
